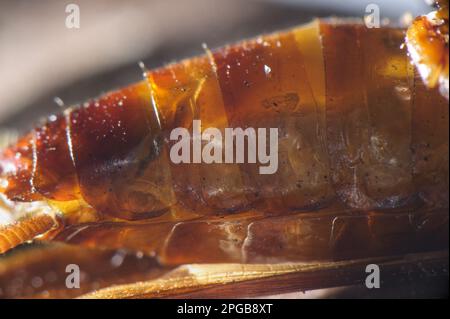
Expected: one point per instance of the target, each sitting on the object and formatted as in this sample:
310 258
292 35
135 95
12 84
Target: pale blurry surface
40 58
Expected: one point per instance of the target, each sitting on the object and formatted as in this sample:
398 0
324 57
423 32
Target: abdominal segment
355 131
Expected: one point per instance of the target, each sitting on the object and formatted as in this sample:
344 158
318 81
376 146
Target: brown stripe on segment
264 85
174 90
388 87
309 43
116 146
169 88
185 92
237 69
346 111
55 176
221 183
304 180
430 142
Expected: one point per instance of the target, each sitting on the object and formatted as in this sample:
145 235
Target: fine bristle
24 230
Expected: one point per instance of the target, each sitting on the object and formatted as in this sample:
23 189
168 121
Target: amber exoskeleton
363 155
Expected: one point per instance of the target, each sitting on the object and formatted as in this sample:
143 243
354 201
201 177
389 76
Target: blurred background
40 58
